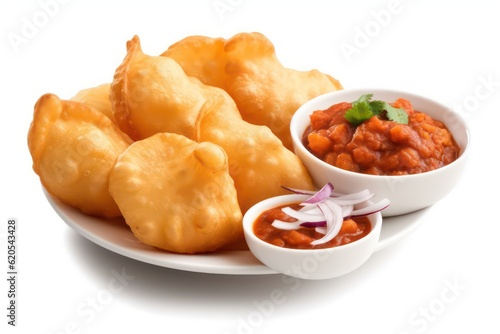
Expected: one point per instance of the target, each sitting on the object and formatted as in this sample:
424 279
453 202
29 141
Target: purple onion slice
325 211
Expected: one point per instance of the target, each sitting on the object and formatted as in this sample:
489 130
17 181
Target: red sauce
352 230
379 146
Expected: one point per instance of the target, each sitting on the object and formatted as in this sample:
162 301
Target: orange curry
352 230
379 146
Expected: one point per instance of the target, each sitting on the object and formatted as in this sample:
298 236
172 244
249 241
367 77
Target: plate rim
396 228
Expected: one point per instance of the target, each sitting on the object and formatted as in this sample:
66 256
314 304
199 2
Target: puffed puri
259 163
177 195
73 147
152 94
247 68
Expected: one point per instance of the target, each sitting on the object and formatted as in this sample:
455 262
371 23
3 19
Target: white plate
115 236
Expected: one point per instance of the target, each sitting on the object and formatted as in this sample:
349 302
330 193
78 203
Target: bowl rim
305 108
256 210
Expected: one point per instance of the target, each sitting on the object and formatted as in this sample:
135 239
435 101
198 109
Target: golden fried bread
266 92
181 144
96 97
201 57
152 94
73 147
258 162
246 66
177 194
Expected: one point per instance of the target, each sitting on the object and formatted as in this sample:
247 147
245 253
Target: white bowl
407 193
309 263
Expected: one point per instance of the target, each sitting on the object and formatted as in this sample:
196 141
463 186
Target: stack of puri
181 144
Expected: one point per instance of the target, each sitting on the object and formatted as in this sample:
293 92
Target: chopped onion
348 209
325 211
282 225
321 195
321 230
311 209
371 209
353 199
314 224
334 220
355 195
299 191
304 216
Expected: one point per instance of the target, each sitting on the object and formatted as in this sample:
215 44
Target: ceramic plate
114 235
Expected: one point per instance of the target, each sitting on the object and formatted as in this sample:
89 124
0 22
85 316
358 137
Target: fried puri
96 97
259 163
152 94
265 91
177 194
210 120
201 57
73 147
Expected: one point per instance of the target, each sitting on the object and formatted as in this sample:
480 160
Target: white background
440 279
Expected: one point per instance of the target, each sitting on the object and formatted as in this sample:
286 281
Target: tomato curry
380 146
301 238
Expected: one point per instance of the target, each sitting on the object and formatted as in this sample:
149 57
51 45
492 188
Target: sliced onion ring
321 195
325 211
299 191
366 211
334 220
282 225
354 199
304 216
314 224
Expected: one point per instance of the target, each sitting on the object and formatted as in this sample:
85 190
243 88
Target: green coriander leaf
377 107
365 98
397 115
360 111
363 109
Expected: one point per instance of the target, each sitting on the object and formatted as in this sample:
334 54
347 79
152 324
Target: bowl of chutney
282 241
402 146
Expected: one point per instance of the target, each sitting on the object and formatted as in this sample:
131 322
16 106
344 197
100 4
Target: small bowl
407 193
312 264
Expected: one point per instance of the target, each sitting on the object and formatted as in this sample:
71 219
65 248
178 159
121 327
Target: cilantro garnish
363 109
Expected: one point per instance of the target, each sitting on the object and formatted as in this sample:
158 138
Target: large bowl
407 193
312 264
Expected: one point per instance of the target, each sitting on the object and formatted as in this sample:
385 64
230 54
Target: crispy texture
266 92
152 94
73 147
98 98
201 57
176 194
259 163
